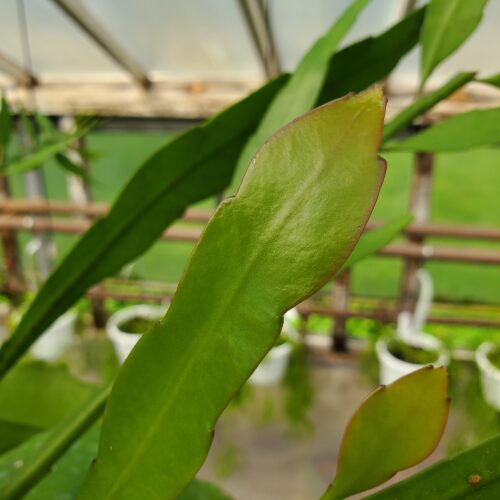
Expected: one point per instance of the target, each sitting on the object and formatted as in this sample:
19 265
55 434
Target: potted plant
488 361
56 339
399 357
125 327
271 370
411 349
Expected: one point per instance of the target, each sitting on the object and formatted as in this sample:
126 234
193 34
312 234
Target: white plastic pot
273 367
122 341
490 375
56 339
392 368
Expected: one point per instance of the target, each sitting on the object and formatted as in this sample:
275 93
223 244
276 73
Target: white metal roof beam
88 23
16 71
257 21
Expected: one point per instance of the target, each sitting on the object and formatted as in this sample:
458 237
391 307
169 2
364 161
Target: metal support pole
88 23
257 20
420 198
80 193
40 246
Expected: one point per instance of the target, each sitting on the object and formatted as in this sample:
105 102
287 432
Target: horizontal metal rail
158 293
63 208
192 234
96 209
390 316
78 226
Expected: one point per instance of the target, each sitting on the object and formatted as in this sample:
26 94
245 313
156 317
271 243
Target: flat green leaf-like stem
50 389
473 474
491 80
53 445
468 130
448 23
295 219
67 474
197 164
65 477
370 60
396 427
423 104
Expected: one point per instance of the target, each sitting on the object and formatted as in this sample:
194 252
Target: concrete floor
262 458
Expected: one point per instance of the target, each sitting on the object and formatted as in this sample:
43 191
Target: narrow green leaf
72 168
371 60
46 150
423 104
13 459
197 164
447 24
5 128
40 459
35 396
297 215
491 80
376 239
38 157
301 92
473 474
66 475
467 130
396 427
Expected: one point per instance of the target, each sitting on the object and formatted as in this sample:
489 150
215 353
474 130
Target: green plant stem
58 440
423 104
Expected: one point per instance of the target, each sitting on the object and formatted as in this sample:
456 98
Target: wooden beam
184 99
60 95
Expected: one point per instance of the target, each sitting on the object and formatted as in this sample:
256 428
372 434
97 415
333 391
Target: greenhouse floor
265 449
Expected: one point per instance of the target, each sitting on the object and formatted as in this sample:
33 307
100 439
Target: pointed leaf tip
396 427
